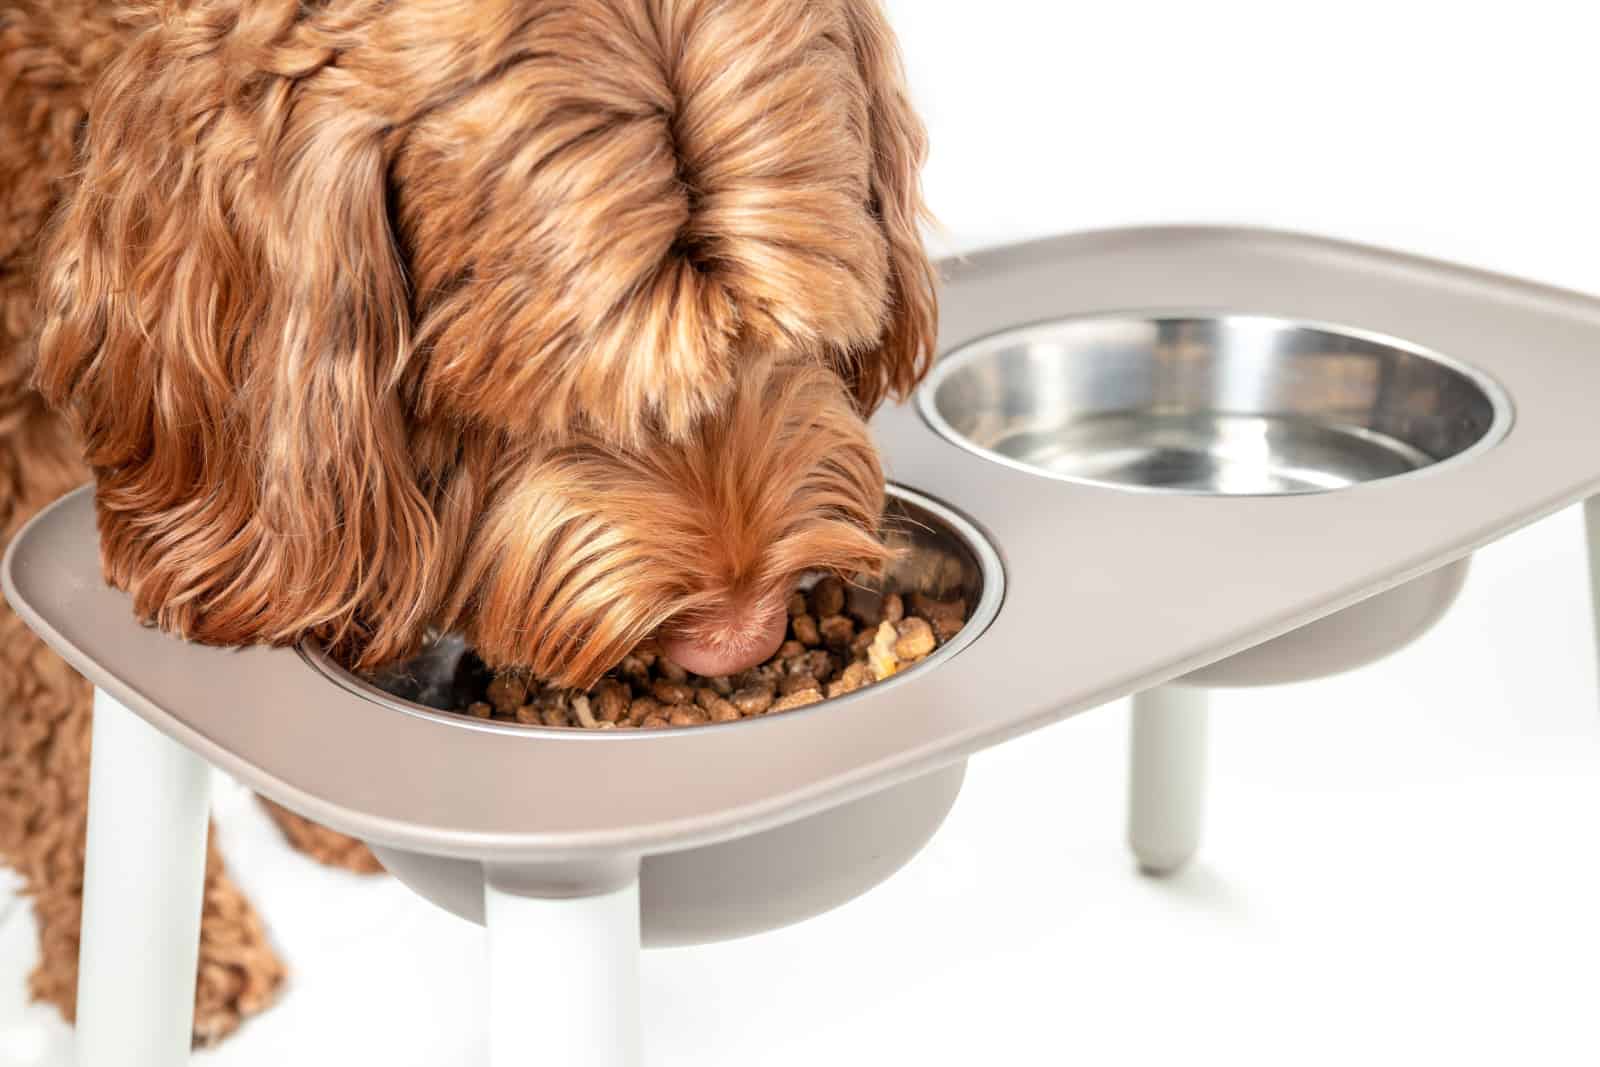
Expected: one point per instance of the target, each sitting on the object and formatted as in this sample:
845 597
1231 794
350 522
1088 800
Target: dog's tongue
751 648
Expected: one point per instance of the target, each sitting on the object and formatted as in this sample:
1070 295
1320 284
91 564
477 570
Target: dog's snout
728 646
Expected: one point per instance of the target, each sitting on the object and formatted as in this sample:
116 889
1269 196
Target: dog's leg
328 847
45 722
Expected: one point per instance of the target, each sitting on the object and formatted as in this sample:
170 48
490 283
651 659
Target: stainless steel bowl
1226 404
759 881
939 553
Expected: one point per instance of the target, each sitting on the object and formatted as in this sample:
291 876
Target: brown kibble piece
654 722
610 700
837 631
507 692
634 671
894 609
555 716
797 605
945 626
804 628
670 692
828 596
864 604
862 641
790 649
819 664
795 683
528 715
797 699
853 677
928 608
479 710
671 671
720 685
753 700
755 676
915 639
687 715
722 711
641 709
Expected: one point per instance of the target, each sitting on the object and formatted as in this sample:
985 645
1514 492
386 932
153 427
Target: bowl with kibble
846 640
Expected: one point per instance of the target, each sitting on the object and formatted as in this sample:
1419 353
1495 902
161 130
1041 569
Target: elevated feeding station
1156 462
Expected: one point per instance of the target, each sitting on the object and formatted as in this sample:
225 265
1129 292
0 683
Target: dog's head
554 321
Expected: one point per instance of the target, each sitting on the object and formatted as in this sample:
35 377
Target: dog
552 322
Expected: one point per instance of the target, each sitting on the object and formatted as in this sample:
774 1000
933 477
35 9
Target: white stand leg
143 880
1591 518
563 976
1167 776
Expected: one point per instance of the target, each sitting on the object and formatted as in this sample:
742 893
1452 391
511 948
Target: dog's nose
746 644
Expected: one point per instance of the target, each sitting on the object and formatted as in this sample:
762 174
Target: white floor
1401 866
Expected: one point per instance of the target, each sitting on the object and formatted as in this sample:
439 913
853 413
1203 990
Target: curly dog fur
554 322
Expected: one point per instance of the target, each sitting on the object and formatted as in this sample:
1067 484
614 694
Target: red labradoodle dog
554 322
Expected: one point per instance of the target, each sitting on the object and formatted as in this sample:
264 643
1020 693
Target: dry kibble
687 715
804 628
837 632
828 596
507 692
797 699
894 609
843 638
722 711
880 655
794 683
945 626
819 664
756 676
610 700
864 604
670 692
753 700
642 709
915 639
634 671
853 677
927 607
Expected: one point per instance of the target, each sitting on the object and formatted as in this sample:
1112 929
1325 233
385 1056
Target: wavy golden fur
555 321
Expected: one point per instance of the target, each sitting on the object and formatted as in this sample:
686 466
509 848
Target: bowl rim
970 351
979 619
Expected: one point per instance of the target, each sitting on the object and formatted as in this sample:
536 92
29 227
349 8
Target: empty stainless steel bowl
1214 404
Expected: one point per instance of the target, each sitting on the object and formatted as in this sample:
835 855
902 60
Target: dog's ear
898 144
225 318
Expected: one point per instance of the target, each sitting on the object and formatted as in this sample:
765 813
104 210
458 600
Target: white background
1401 865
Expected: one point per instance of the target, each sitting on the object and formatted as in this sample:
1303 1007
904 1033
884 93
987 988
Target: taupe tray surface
1108 592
